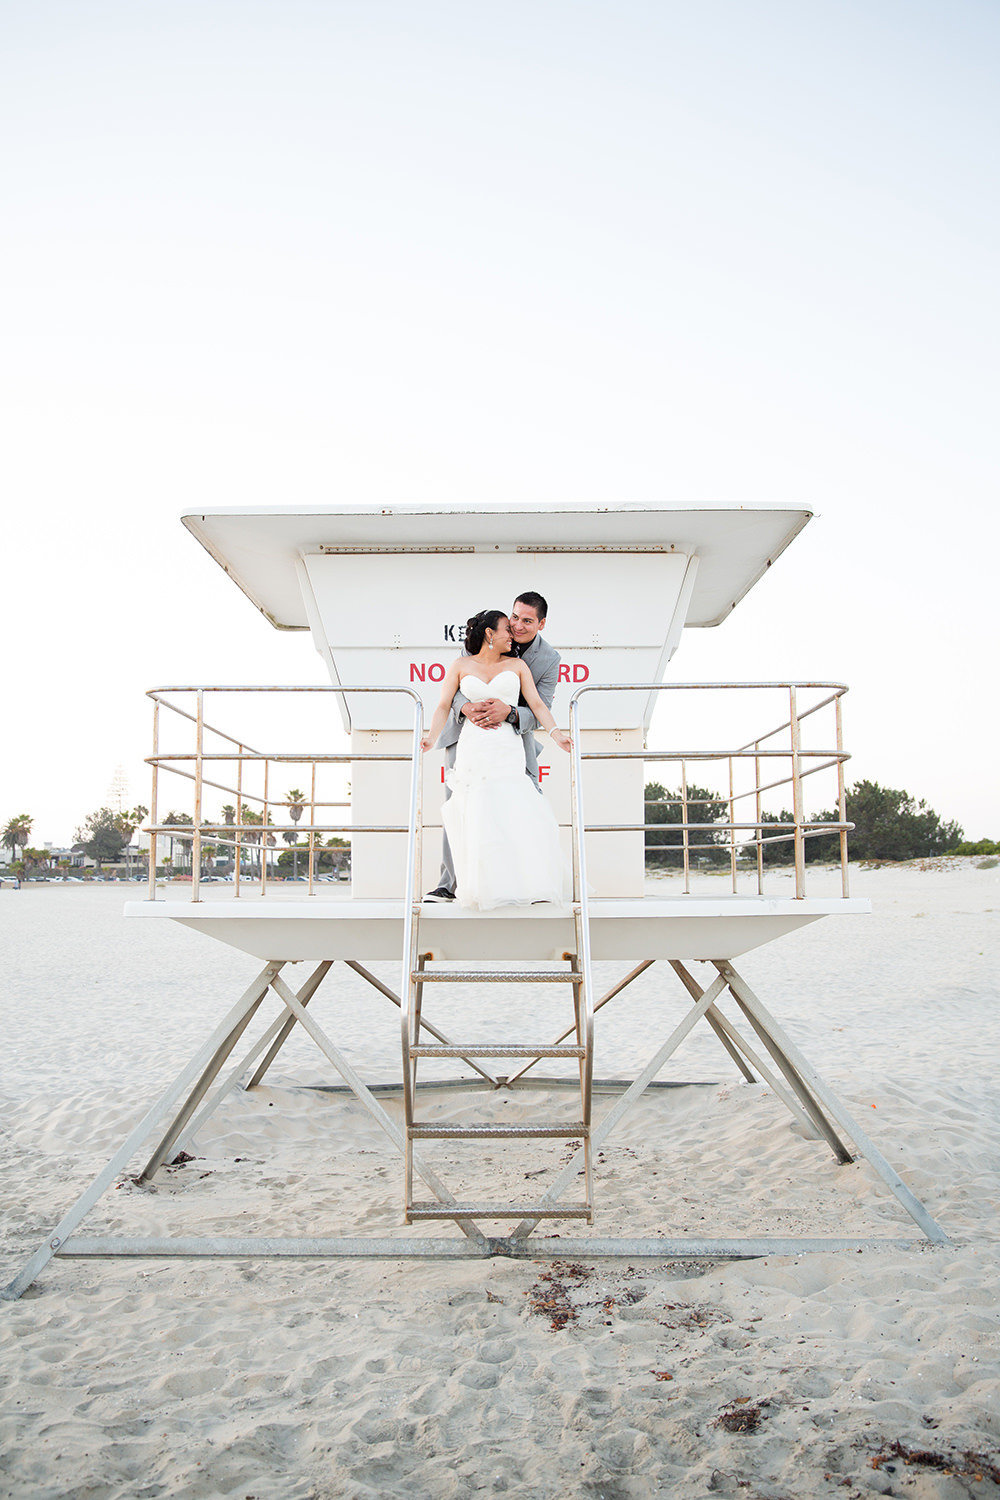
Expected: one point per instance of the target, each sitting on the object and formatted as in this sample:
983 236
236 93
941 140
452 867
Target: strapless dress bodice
505 686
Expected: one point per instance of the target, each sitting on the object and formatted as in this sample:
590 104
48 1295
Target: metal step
496 1049
480 1129
498 1211
496 976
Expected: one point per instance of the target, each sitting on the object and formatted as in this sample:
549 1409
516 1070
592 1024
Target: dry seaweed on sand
683 1315
549 1297
967 1465
742 1415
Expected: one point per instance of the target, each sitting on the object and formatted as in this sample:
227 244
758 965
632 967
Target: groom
527 620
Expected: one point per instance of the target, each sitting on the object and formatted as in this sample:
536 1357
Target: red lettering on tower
416 673
435 672
543 771
580 672
564 671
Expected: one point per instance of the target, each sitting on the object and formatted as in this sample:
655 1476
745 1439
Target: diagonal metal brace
737 1044
168 1140
138 1136
285 1025
626 1101
361 1091
425 1025
615 989
270 1042
752 1006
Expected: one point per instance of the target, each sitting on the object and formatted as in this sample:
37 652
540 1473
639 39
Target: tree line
334 855
889 824
105 834
103 837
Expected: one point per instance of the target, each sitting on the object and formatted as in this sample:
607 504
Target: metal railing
217 760
763 830
241 755
208 768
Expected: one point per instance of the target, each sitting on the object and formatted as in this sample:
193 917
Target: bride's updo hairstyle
477 626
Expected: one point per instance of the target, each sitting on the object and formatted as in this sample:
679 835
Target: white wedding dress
503 834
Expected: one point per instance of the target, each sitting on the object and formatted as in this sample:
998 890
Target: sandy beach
832 1373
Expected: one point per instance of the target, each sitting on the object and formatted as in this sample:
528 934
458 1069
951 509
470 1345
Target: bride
503 833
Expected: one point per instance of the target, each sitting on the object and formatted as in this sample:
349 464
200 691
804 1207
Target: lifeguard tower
385 593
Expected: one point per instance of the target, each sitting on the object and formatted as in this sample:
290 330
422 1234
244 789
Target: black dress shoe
441 894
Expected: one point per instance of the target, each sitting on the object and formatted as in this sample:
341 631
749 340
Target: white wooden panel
424 599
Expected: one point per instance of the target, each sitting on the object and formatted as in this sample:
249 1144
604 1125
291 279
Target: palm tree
296 807
128 822
34 859
17 833
291 837
334 855
228 815
182 818
252 819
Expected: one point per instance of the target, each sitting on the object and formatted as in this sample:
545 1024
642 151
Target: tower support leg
361 1092
287 1025
738 1045
625 1102
204 1083
139 1135
270 1043
816 1097
753 1007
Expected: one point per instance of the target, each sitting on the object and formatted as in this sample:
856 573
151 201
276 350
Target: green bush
889 824
664 846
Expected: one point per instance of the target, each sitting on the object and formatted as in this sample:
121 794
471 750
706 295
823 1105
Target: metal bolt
55 1243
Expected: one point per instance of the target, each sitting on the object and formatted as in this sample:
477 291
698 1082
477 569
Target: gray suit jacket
542 661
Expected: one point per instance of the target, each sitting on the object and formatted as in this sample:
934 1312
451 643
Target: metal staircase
418 973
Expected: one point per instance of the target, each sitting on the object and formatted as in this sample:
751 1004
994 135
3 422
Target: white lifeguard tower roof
260 547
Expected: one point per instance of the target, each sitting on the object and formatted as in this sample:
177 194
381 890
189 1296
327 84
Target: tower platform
292 928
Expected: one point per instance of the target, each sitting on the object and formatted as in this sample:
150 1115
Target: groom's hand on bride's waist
487 713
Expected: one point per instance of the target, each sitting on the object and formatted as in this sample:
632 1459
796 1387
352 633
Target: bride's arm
538 708
448 690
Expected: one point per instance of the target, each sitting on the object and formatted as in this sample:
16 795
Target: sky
274 252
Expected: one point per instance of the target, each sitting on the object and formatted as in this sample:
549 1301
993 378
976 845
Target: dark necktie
517 650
